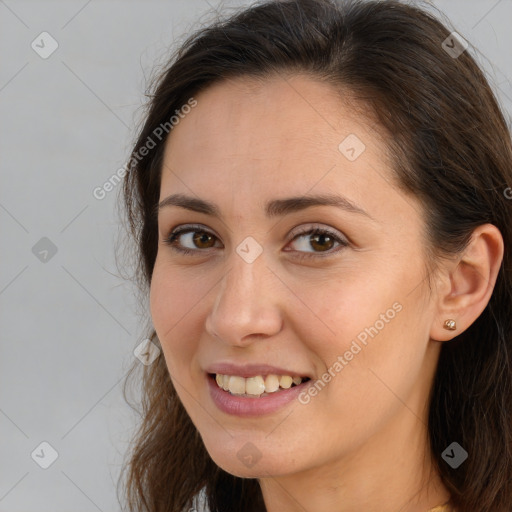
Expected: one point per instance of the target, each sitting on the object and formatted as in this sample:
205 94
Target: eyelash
171 241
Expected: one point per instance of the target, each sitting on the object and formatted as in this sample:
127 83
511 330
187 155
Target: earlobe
471 283
450 324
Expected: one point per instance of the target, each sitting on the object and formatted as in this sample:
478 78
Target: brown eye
322 242
202 237
190 240
312 242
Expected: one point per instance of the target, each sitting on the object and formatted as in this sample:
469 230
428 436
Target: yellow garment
441 508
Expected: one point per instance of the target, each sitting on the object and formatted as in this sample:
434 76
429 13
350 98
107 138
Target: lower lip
250 407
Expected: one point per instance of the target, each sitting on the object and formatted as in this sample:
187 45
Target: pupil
202 238
322 239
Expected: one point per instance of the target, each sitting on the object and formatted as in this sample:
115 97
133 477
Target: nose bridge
240 278
243 305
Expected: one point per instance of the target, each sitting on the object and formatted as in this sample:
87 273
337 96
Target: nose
246 306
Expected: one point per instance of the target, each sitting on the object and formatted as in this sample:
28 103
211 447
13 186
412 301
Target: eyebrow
273 208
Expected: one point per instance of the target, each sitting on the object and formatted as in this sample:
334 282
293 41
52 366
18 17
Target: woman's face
262 295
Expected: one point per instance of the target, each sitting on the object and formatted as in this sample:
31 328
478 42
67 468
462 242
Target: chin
245 460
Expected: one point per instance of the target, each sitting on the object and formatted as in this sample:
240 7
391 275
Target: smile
257 386
250 397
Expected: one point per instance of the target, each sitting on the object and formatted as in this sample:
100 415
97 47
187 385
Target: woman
319 198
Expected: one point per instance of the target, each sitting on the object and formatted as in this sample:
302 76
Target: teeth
271 383
255 386
286 381
236 385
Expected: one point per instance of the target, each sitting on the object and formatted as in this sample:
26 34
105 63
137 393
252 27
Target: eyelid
312 229
303 229
183 229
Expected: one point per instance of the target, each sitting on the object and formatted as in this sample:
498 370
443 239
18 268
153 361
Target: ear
468 283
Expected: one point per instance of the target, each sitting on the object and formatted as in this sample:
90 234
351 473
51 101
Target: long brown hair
451 148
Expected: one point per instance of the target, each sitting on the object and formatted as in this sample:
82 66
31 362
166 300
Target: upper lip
252 370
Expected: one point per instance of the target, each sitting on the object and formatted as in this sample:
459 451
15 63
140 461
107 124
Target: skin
361 443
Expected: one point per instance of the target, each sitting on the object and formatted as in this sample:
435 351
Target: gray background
69 323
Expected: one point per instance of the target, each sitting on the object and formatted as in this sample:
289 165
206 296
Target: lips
256 386
253 370
253 390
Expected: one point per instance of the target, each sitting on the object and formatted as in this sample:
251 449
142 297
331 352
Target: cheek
340 308
173 301
376 333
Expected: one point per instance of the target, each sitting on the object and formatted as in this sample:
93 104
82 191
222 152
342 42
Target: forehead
247 141
286 126
246 144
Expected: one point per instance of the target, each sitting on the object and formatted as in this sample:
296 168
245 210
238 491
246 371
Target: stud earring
450 325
